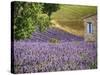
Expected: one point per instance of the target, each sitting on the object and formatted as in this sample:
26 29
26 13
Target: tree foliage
50 8
26 17
43 22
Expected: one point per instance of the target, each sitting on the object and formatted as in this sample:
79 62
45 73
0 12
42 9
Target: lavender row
53 33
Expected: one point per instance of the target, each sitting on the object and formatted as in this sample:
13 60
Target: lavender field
54 50
50 37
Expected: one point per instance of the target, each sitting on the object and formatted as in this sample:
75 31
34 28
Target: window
89 27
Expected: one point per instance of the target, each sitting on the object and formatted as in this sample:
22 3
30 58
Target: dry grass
68 29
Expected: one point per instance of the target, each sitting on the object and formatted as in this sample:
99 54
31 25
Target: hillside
70 17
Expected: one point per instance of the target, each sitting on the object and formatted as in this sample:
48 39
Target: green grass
72 15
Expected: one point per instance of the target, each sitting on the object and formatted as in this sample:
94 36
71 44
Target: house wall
90 36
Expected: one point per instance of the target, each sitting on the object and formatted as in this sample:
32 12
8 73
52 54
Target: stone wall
90 36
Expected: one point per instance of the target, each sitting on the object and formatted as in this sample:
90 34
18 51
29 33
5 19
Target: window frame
89 27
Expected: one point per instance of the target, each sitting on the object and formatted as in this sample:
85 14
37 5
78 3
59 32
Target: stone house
90 27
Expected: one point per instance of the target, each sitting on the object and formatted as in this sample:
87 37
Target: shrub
54 40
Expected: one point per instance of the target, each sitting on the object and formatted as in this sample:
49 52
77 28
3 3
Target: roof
87 16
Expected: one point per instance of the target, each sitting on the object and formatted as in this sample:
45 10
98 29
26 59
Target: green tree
50 8
26 17
43 22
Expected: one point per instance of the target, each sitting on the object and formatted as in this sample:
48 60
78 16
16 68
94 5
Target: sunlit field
60 47
72 17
